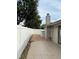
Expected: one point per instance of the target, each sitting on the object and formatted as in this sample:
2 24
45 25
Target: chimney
47 19
47 23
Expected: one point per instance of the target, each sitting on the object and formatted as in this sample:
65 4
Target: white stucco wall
37 31
55 34
23 36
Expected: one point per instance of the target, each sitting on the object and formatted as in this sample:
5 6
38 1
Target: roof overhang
57 23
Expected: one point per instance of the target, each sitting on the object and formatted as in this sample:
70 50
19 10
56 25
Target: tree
42 26
19 12
27 10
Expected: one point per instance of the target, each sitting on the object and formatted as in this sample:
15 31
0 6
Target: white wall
23 36
54 34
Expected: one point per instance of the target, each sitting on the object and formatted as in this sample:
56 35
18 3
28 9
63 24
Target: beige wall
49 33
54 34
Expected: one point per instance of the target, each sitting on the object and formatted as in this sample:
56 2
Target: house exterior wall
49 33
55 34
52 33
52 30
59 34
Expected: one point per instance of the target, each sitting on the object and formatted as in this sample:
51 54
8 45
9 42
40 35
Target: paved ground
36 37
43 49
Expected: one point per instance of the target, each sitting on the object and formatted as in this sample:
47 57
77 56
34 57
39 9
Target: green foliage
42 26
27 10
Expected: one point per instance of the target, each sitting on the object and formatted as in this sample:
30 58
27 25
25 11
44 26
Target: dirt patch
36 37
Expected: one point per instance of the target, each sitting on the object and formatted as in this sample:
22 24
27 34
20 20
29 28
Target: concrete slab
44 50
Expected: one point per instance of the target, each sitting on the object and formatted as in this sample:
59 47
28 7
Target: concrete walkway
43 49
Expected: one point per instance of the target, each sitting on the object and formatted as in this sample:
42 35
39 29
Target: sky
53 7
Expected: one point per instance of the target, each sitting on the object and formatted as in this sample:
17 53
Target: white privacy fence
23 36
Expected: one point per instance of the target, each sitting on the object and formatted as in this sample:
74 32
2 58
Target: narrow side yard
42 49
